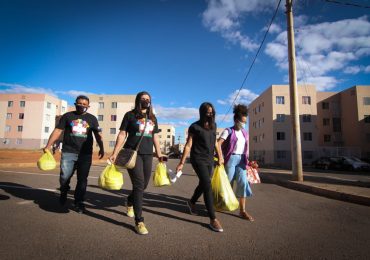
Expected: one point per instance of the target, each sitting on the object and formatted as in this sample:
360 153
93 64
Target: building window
280 136
48 105
327 138
8 115
100 117
114 104
168 136
18 141
280 117
113 118
10 103
6 141
366 101
367 118
113 131
47 117
306 100
101 104
8 128
280 154
20 128
46 129
307 155
112 143
255 139
306 118
325 105
337 124
168 130
326 121
307 136
280 100
22 103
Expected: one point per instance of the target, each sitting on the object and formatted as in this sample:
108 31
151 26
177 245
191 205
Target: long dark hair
204 119
138 108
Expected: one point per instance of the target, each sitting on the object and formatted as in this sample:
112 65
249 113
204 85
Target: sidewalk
354 191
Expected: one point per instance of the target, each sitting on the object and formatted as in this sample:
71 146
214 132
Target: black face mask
80 109
144 103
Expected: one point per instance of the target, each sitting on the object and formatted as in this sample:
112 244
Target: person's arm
157 147
99 140
219 151
55 135
119 143
185 153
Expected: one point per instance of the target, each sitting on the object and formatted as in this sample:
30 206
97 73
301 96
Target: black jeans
68 164
204 171
140 176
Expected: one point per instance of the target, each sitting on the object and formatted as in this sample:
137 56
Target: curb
362 200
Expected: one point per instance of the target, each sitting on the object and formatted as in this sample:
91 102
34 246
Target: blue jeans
68 164
236 171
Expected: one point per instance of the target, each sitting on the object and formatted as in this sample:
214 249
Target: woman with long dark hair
132 127
201 144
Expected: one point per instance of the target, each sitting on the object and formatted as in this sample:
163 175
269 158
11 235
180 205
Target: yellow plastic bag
46 162
223 194
160 177
111 178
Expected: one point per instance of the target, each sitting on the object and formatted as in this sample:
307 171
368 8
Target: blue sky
182 52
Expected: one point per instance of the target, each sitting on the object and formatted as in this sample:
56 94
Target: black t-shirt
134 128
204 141
78 132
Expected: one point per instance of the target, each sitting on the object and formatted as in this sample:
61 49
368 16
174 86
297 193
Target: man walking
77 150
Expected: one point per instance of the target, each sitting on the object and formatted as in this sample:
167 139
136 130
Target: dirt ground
30 156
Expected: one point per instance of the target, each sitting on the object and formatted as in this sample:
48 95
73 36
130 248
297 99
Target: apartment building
27 120
343 123
270 124
109 110
166 137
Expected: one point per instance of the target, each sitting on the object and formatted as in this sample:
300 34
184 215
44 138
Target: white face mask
240 125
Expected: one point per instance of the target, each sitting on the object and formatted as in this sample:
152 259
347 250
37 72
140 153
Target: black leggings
204 172
140 176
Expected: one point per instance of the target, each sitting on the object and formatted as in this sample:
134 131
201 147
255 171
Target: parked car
353 164
323 163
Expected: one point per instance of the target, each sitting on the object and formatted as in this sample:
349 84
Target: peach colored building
332 123
166 137
109 110
270 123
27 120
344 122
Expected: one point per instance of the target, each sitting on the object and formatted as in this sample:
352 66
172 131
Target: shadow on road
46 200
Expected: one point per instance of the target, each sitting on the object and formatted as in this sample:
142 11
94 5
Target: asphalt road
288 224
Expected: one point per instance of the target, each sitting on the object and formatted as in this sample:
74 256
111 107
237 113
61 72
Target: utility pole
296 133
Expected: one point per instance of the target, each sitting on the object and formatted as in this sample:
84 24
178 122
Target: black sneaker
80 207
63 198
191 208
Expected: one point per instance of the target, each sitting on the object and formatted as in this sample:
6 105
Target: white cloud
176 113
245 97
367 69
223 16
74 93
352 70
324 48
17 88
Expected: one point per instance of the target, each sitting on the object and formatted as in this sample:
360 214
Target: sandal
245 215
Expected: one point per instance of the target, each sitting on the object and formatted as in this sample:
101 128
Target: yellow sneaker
130 212
141 229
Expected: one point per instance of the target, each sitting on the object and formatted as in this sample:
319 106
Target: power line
347 3
255 57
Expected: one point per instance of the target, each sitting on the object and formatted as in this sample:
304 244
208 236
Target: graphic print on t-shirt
79 128
149 127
